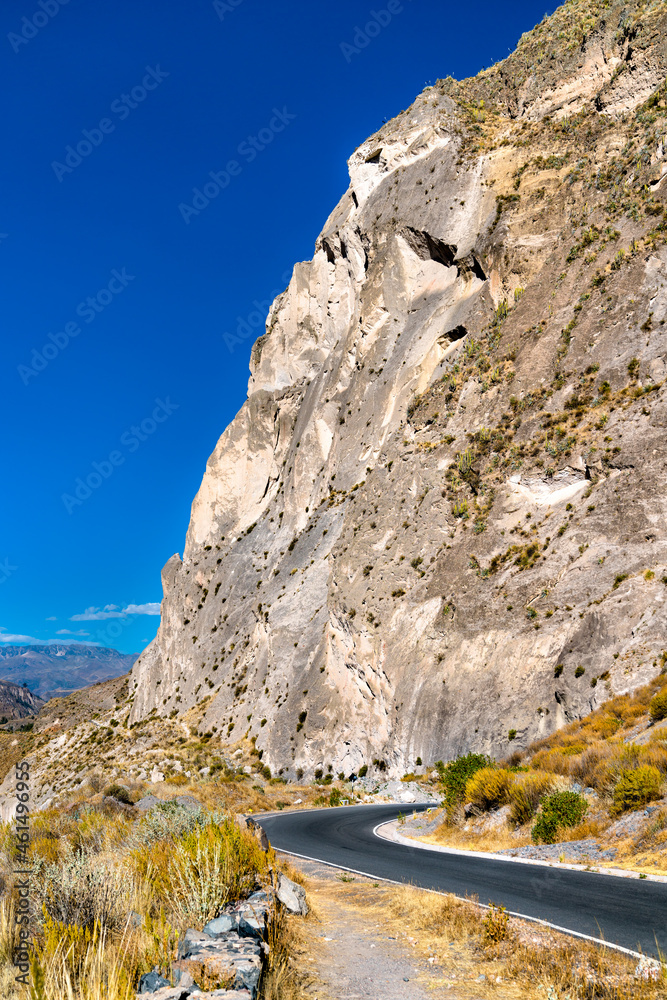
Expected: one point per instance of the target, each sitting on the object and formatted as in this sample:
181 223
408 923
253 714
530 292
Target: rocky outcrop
438 523
226 957
17 701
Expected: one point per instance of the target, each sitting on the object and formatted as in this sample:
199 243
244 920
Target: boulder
182 976
171 993
222 925
209 968
258 831
248 972
187 801
146 803
292 895
151 982
190 941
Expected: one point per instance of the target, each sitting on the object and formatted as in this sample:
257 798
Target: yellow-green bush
525 794
636 787
489 787
658 706
198 874
561 810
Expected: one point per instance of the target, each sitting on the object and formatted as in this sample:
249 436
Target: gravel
570 850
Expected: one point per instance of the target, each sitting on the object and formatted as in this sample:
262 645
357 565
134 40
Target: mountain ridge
57 669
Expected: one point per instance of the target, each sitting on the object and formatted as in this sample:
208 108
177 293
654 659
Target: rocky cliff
17 702
438 523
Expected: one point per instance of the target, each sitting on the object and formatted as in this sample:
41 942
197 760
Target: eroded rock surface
438 522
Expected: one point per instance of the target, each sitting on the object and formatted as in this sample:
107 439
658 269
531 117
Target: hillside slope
438 522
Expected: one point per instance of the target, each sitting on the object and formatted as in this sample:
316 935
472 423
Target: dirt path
353 954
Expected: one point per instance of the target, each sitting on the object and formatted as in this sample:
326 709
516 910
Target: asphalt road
628 912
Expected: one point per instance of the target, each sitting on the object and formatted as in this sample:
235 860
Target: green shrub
658 706
562 809
455 775
489 787
120 793
80 889
636 787
335 797
363 771
580 671
167 820
525 795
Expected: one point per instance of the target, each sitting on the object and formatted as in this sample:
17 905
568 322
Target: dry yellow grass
94 867
459 943
469 840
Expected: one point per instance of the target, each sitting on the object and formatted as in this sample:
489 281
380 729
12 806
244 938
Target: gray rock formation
438 522
17 701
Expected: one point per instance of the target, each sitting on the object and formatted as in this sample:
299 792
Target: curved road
626 912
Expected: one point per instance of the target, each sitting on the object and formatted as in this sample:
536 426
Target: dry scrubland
99 861
114 887
578 783
111 894
457 942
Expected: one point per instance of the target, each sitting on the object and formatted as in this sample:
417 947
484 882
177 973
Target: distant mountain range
16 702
54 671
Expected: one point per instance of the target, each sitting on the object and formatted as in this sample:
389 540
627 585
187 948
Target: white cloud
97 614
66 631
51 619
8 637
23 640
113 611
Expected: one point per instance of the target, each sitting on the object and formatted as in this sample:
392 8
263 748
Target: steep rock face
438 522
17 702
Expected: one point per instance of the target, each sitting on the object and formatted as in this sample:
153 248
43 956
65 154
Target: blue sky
123 290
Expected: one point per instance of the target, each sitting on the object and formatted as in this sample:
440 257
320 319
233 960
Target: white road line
522 916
